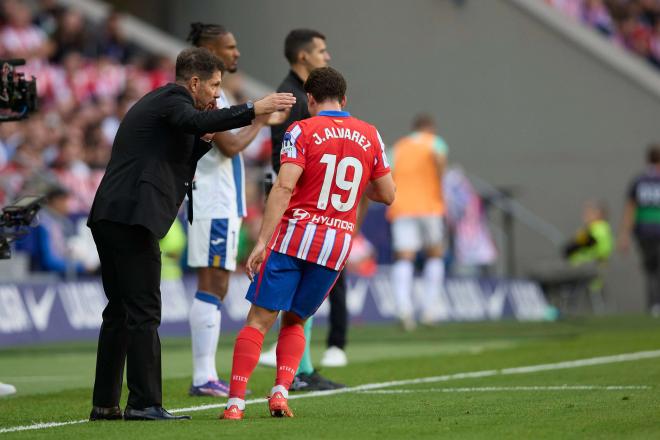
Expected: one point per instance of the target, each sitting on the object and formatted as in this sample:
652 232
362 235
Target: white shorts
214 242
414 234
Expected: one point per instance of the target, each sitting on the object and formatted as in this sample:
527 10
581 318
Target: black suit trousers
130 269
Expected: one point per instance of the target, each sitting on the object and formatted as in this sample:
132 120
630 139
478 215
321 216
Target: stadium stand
631 24
69 141
67 144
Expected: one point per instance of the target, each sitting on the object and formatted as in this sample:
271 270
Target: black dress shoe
151 413
100 413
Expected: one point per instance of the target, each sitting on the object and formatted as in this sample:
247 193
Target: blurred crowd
68 141
632 24
88 76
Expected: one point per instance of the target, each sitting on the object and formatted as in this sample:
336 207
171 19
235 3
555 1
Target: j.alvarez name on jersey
341 133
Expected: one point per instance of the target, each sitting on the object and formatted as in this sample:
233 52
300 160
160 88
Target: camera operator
53 237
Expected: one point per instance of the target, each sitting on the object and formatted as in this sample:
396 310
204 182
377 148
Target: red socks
290 348
246 356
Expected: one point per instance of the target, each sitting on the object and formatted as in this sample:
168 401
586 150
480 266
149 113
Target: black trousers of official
650 250
130 269
338 314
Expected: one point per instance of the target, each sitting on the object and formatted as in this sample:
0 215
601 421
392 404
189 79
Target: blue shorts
291 284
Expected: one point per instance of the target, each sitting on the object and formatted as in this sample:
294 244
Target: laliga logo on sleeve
288 147
287 139
300 214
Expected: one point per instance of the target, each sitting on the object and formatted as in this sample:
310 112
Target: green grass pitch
610 397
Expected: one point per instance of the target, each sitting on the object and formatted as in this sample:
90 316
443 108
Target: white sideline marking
15 379
40 426
373 386
518 388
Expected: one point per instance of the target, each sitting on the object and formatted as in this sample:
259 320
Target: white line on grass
40 426
518 388
373 386
15 379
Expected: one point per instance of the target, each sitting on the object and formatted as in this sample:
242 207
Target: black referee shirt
291 84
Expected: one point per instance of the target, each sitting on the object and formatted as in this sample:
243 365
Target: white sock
402 282
281 389
236 401
434 279
205 331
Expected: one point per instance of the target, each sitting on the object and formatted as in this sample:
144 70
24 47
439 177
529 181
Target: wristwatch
250 105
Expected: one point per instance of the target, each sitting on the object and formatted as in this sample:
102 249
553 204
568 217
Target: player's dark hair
422 121
201 33
197 61
326 83
297 40
653 154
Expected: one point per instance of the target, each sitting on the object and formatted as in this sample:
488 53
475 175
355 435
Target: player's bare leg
261 319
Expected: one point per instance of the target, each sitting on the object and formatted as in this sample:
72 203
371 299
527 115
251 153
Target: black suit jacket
291 84
154 157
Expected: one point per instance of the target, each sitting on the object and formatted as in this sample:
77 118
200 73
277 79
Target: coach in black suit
153 162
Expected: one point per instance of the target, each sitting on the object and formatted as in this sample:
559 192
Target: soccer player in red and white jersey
328 162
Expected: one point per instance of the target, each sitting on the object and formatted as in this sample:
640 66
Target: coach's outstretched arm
230 144
278 201
181 113
381 190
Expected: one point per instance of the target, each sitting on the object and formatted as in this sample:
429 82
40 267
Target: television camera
18 95
18 98
15 221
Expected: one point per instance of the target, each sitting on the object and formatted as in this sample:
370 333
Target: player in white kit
219 207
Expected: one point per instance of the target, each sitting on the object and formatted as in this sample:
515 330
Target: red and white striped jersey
339 155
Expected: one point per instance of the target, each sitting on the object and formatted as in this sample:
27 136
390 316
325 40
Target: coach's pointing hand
274 102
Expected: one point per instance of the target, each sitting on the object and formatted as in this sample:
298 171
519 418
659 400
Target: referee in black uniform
153 162
305 50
